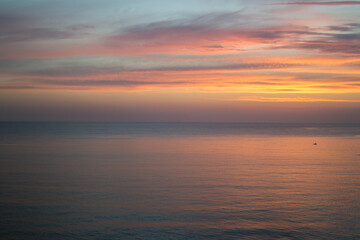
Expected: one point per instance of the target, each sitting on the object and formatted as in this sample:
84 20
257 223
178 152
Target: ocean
63 180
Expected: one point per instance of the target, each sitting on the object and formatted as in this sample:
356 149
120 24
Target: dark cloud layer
83 84
214 34
72 68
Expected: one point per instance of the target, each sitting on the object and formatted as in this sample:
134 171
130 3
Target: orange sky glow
190 61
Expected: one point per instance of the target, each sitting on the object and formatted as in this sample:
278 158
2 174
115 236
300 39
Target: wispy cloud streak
335 3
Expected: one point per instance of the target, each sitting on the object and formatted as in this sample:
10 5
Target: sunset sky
189 60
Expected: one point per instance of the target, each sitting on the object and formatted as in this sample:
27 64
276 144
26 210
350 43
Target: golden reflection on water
207 182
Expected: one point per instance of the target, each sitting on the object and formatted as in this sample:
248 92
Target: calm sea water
179 181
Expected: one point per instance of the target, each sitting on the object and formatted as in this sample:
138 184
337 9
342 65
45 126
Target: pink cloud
207 35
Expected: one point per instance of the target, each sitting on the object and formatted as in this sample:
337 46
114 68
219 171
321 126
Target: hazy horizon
205 122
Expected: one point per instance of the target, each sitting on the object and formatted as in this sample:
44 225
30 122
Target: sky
189 60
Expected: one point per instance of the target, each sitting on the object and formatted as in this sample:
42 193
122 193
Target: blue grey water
179 181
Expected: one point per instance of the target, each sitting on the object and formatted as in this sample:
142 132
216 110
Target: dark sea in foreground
179 181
